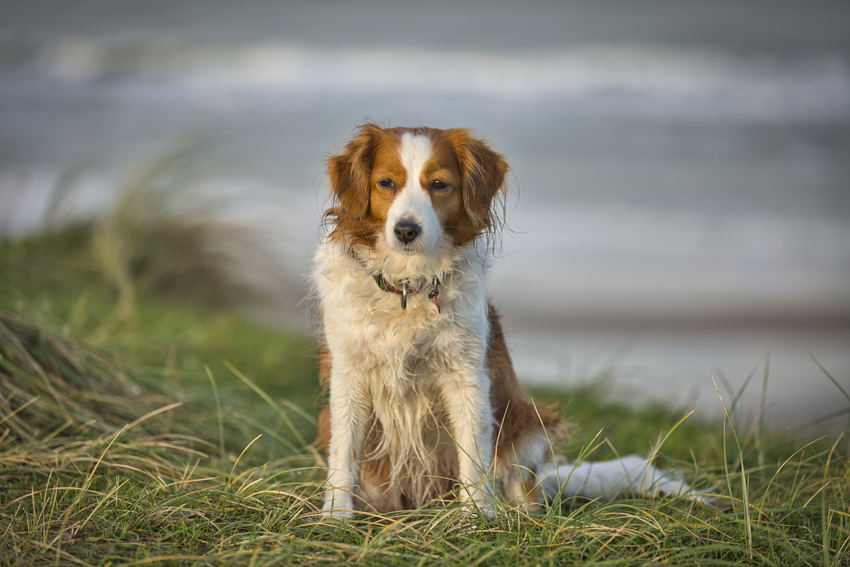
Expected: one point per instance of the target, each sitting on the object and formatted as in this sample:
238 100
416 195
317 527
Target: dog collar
405 290
384 285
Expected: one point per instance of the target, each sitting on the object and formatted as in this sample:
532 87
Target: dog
424 405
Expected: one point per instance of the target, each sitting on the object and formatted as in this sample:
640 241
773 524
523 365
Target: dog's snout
407 231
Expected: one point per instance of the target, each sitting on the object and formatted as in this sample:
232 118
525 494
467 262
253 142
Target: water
680 177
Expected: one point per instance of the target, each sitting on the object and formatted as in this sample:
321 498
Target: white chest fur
367 327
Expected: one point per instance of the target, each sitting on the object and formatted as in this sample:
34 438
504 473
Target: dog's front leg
467 400
349 405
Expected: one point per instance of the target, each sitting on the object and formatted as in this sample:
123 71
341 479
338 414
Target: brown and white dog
424 403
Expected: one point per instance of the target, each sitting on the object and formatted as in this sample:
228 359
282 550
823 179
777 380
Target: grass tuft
53 387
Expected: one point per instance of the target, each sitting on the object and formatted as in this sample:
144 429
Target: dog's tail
631 475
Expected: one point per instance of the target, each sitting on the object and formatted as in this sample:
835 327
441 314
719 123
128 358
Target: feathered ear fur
483 172
348 175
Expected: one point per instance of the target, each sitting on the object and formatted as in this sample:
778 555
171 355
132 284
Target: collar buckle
435 294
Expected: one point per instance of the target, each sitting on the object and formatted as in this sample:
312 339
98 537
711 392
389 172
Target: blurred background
680 202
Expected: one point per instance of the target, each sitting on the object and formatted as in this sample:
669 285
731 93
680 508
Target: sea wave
638 79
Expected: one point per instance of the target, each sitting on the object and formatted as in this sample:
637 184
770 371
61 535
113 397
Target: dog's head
414 187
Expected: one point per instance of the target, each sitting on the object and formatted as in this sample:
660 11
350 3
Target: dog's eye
386 183
439 184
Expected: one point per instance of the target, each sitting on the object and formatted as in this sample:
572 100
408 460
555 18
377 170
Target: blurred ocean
681 194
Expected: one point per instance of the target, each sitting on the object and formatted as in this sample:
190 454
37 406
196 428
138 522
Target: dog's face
414 187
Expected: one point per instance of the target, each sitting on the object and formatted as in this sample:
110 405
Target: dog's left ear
483 171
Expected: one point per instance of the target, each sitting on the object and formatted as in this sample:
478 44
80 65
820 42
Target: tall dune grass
166 233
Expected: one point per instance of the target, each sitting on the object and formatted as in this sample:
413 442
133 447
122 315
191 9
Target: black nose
407 231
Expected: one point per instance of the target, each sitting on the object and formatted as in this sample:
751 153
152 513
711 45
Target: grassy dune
139 426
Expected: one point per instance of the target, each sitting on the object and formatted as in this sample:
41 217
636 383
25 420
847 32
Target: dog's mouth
414 248
411 250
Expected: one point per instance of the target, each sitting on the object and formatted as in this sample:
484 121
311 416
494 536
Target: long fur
424 405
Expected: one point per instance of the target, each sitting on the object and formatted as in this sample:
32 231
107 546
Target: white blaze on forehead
413 203
414 152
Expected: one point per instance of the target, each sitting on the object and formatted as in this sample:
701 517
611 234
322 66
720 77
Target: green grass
127 436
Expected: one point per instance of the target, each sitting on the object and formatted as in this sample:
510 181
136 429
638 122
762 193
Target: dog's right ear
350 170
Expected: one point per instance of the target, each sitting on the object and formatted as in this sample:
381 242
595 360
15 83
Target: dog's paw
339 505
526 508
337 514
484 507
479 499
479 504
